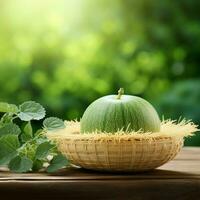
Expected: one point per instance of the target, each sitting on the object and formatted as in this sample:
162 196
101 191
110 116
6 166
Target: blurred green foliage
66 53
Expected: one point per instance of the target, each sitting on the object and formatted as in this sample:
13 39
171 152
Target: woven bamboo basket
122 152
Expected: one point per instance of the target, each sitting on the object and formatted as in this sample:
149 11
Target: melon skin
129 113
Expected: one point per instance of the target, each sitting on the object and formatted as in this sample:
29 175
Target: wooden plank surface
178 179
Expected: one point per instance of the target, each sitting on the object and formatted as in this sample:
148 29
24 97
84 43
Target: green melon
120 112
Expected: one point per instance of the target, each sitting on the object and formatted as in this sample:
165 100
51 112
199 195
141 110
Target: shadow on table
93 174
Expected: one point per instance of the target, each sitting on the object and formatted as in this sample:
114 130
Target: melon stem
120 93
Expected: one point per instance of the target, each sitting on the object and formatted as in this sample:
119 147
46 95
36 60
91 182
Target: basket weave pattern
124 155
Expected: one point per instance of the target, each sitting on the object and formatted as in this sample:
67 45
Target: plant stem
120 93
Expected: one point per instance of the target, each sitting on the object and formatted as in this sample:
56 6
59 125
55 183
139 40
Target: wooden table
178 179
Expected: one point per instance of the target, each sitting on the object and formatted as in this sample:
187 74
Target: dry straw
134 151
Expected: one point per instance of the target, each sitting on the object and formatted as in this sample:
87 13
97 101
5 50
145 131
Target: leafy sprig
22 149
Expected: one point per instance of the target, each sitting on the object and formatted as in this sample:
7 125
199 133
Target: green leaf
43 150
20 164
57 163
53 123
37 165
28 129
8 148
10 128
11 108
41 139
31 110
6 118
27 133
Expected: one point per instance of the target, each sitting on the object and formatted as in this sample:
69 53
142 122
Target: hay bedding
169 128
